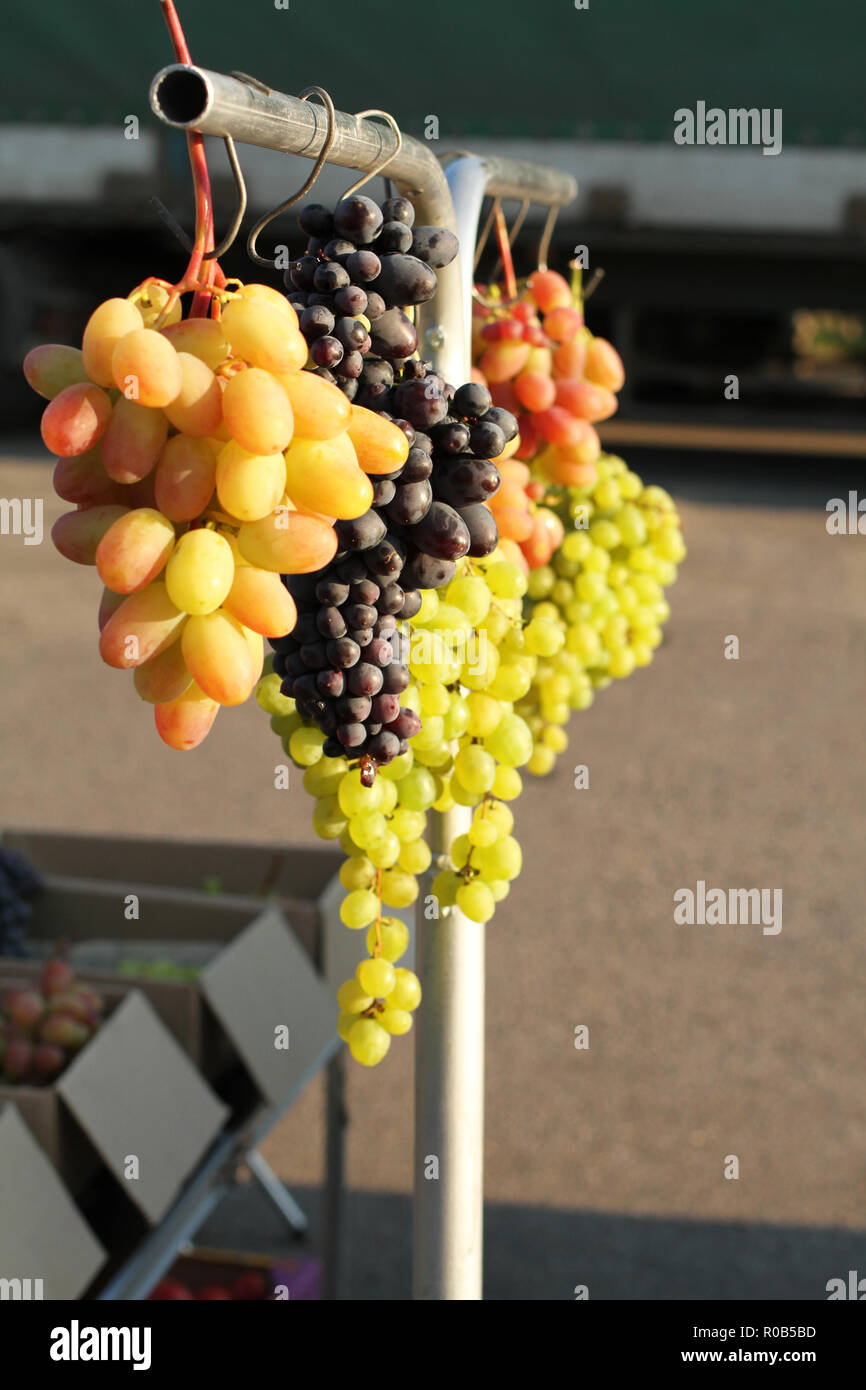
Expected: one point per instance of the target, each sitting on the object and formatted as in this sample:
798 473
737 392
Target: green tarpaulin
506 68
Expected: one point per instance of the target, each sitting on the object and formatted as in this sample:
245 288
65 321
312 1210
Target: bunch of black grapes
346 662
363 259
19 881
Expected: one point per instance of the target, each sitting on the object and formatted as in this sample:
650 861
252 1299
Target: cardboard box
44 1239
197 874
171 874
143 1105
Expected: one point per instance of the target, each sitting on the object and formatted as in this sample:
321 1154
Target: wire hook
228 240
377 169
544 244
321 159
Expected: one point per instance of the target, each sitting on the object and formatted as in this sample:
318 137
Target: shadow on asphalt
750 480
538 1253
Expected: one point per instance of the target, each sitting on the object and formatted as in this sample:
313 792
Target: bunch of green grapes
471 659
604 592
381 830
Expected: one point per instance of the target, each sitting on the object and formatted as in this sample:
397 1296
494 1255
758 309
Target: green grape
408 825
484 712
435 699
555 739
607 494
507 784
479 673
347 844
462 795
540 582
355 798
368 1042
630 486
461 848
358 873
269 697
396 1021
368 828
505 580
328 820
305 746
542 760
476 901
389 796
622 662
393 935
359 908
632 527
376 977
445 802
430 733
510 744
598 561
576 546
499 815
344 1023
406 993
417 790
415 858
324 777
399 767
503 859
386 853
438 757
511 682
546 610
495 625
590 587
398 888
545 637
411 699
441 667
429 605
475 767
481 833
444 887
456 720
352 999
614 634
499 887
472 595
284 725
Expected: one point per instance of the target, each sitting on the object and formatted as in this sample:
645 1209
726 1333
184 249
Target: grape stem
198 270
377 924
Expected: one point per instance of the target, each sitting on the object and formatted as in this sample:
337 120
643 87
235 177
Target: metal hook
228 240
231 235
308 183
544 244
377 169
485 233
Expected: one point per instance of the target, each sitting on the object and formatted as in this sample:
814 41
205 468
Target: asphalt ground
604 1166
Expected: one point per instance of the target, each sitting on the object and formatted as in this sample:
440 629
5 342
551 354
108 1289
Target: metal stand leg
277 1191
335 1191
449 1099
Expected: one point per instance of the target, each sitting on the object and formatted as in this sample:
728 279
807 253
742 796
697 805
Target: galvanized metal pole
449 1071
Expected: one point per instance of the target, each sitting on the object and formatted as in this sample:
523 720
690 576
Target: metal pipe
449 1070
